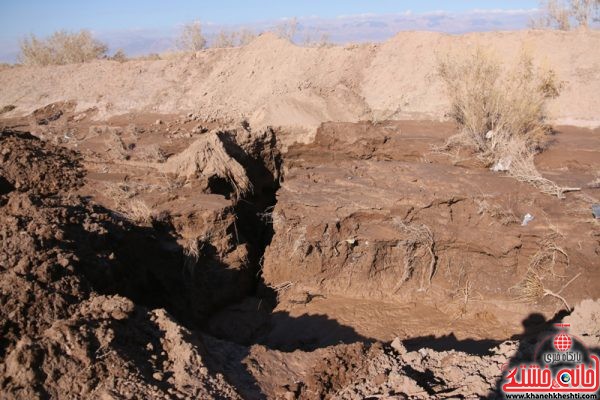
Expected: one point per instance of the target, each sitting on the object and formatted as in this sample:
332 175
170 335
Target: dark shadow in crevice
450 342
5 186
308 333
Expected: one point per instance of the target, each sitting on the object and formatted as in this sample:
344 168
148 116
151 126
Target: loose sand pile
273 82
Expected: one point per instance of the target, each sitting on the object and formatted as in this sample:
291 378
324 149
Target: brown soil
150 255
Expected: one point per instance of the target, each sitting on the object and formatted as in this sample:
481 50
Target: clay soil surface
163 256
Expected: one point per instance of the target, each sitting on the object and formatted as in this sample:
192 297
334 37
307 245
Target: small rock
158 122
158 376
63 261
23 267
289 395
399 346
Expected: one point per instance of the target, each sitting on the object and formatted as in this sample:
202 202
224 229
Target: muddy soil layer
166 256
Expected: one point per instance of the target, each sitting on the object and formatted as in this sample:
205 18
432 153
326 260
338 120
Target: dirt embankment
369 217
60 337
363 236
273 82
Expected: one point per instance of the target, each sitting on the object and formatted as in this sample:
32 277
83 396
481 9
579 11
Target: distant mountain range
343 29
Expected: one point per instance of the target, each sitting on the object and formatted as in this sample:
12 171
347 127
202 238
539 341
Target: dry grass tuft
151 153
60 48
545 259
523 169
419 237
281 288
226 39
501 113
506 217
139 212
531 289
191 255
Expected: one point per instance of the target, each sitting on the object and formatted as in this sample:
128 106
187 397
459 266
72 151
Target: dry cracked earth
170 257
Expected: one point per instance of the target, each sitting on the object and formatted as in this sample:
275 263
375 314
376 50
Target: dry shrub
191 37
287 29
501 112
226 39
505 216
419 237
541 265
556 14
139 212
60 48
245 36
320 40
119 56
191 255
120 193
151 153
207 157
560 14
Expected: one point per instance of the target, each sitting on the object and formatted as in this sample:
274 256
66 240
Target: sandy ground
273 82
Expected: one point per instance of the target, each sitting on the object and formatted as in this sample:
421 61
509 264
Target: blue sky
18 18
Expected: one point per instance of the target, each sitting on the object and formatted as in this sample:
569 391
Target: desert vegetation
287 29
233 38
501 112
191 37
60 48
566 14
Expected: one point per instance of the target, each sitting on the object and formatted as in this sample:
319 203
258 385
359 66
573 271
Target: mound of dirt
59 337
34 166
273 82
208 160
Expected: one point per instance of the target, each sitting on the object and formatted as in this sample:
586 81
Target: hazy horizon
143 32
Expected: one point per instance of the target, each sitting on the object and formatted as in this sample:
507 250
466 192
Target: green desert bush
60 48
501 112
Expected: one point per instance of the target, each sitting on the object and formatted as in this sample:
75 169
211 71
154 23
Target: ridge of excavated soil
273 82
